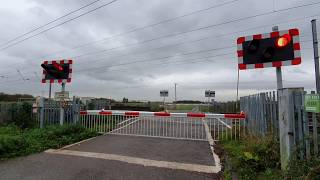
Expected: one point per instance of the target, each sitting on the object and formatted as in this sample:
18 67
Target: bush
304 169
259 158
15 142
253 157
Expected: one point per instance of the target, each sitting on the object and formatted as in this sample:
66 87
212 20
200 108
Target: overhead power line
178 62
50 22
64 22
287 9
166 57
270 12
150 25
170 63
193 30
206 59
157 66
156 59
191 13
177 44
127 63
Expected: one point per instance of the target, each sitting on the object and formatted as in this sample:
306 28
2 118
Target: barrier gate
192 126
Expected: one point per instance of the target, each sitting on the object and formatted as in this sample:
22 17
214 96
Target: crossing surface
65 167
136 145
118 157
182 151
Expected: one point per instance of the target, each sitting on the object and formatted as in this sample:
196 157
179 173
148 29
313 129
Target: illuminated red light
57 66
283 41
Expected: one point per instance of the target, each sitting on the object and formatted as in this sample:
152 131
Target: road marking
140 161
211 143
162 137
77 143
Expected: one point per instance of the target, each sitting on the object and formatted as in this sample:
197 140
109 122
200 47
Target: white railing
166 125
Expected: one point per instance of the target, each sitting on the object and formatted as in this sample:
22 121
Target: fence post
41 111
299 121
306 131
75 109
286 123
315 133
275 115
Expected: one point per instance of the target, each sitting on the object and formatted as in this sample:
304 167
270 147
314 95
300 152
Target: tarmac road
118 157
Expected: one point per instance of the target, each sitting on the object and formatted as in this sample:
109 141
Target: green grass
16 142
205 108
252 158
259 158
304 168
185 107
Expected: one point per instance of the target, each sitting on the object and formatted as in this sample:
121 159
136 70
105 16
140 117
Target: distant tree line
13 97
225 107
188 102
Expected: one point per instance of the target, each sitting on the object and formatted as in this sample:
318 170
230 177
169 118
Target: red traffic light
283 41
57 66
57 71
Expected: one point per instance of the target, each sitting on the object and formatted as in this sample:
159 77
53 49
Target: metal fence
166 125
263 117
261 113
49 112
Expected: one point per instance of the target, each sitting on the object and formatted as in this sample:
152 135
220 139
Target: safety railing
192 126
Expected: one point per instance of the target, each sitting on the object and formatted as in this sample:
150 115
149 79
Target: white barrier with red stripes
161 114
189 126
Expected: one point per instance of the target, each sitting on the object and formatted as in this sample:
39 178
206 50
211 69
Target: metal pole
238 89
316 54
278 69
41 111
63 87
208 104
50 87
175 92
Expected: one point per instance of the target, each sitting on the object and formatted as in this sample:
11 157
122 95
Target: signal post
58 72
274 49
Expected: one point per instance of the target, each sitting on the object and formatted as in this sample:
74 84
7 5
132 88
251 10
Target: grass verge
259 158
17 142
251 158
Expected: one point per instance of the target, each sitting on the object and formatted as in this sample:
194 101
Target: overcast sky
139 64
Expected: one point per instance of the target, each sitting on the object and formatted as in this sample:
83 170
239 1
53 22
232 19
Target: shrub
15 142
251 157
303 168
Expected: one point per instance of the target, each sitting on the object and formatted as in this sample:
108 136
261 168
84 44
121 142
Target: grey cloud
144 80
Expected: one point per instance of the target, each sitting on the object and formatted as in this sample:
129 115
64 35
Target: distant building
100 103
86 100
